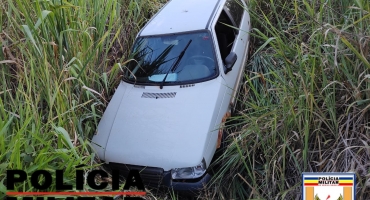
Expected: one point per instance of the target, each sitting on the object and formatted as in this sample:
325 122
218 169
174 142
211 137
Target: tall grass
56 79
306 100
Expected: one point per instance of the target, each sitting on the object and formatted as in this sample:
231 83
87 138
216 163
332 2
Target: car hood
166 128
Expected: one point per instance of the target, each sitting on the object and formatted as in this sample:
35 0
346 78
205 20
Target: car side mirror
230 61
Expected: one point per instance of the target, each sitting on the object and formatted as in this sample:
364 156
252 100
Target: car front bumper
158 178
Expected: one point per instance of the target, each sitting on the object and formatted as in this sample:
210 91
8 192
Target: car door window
235 10
225 34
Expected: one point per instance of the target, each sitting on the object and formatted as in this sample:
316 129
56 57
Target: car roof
181 16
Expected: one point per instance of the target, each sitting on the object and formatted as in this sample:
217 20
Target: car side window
225 34
235 9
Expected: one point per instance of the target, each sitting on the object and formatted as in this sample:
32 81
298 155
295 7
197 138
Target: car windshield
177 58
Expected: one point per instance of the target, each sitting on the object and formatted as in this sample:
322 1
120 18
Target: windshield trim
217 74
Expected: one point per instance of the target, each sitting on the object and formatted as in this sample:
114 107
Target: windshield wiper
173 67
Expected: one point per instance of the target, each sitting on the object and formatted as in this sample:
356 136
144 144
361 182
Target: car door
230 35
232 31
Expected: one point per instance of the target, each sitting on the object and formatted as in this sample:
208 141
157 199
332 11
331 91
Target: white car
165 116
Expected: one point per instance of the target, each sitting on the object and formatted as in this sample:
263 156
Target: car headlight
189 172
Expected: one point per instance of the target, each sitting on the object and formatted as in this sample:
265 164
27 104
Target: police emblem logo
328 186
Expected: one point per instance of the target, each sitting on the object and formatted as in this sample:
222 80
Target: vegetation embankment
57 75
305 98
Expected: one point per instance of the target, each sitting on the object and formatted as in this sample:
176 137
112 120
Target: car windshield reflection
154 57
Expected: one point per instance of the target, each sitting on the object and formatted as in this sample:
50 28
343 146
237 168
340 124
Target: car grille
151 176
158 95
